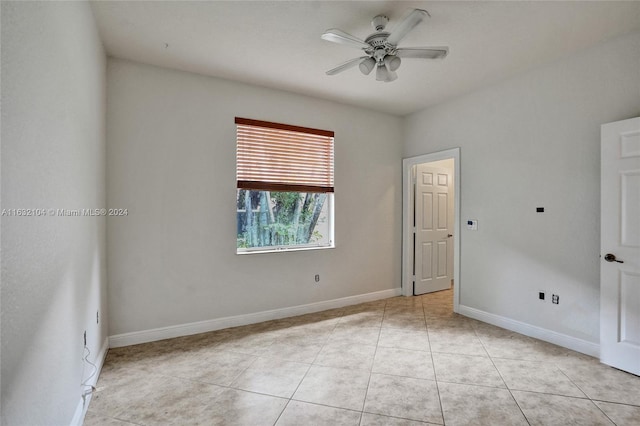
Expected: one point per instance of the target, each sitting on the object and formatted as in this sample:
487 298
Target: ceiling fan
381 48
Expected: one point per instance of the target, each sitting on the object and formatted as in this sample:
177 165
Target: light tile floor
400 361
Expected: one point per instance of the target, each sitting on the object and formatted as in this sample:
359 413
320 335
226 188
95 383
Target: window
285 187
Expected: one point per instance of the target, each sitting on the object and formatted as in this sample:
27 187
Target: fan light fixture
383 74
367 65
381 48
392 62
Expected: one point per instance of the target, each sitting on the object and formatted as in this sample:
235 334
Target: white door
620 245
433 248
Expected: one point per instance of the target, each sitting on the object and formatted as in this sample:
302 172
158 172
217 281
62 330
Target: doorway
431 245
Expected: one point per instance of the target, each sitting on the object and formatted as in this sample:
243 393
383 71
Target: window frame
325 186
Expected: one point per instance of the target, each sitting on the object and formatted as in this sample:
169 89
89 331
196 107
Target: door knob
449 235
609 257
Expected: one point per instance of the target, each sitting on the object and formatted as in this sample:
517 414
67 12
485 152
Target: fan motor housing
377 39
379 46
379 22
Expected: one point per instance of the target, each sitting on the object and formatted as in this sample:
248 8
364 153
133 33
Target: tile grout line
572 382
282 412
435 374
366 393
616 403
306 373
585 394
501 376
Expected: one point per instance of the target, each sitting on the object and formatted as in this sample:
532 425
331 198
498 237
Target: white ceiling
277 43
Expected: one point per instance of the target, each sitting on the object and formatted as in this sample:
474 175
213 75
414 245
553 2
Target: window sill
283 249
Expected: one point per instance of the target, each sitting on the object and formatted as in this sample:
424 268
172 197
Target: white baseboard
136 337
83 405
569 342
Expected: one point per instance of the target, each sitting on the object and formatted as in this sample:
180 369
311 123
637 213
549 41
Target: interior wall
171 163
534 141
53 157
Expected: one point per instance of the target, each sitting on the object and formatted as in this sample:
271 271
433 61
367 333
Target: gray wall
53 157
171 161
534 141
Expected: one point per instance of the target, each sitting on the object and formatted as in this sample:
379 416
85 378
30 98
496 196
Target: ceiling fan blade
349 64
423 52
404 27
340 37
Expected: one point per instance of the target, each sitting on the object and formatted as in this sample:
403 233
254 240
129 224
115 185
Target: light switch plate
472 225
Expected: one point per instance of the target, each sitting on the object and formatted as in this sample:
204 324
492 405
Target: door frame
407 219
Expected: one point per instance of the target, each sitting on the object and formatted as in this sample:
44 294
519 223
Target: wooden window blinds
281 157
